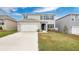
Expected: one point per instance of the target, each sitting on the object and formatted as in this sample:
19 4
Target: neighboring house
7 23
68 24
36 22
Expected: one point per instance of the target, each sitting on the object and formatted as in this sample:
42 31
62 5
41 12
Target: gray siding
63 22
67 21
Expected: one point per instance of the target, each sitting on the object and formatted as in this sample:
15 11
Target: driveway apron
20 41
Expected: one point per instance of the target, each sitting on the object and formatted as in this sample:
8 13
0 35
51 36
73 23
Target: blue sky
16 12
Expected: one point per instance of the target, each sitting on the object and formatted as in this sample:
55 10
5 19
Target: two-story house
35 22
7 23
68 23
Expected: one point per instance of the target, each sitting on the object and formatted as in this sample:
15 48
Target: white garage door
75 30
30 27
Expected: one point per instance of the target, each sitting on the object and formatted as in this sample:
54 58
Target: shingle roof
40 14
65 16
31 20
7 17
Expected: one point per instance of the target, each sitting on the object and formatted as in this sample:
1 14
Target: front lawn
4 33
53 41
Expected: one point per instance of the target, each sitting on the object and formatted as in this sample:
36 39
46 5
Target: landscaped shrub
38 30
65 29
0 27
51 29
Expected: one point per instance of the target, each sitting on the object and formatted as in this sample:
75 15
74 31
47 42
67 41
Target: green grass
4 33
53 41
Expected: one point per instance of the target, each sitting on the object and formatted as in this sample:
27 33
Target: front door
43 26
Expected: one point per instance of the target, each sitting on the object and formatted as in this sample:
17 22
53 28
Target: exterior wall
49 22
67 21
2 21
64 22
37 17
10 25
76 21
33 17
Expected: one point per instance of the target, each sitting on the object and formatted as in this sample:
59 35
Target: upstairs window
52 17
72 19
46 17
25 16
41 17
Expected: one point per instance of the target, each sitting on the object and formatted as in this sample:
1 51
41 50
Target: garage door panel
29 27
75 30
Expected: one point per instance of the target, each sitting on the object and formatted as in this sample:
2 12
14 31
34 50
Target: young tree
65 29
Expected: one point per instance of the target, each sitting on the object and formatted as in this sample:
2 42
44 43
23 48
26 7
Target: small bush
53 30
0 27
65 30
38 30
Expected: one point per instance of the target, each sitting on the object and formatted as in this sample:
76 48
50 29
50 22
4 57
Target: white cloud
17 14
8 9
45 9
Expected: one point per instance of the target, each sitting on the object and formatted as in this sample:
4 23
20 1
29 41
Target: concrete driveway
21 41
